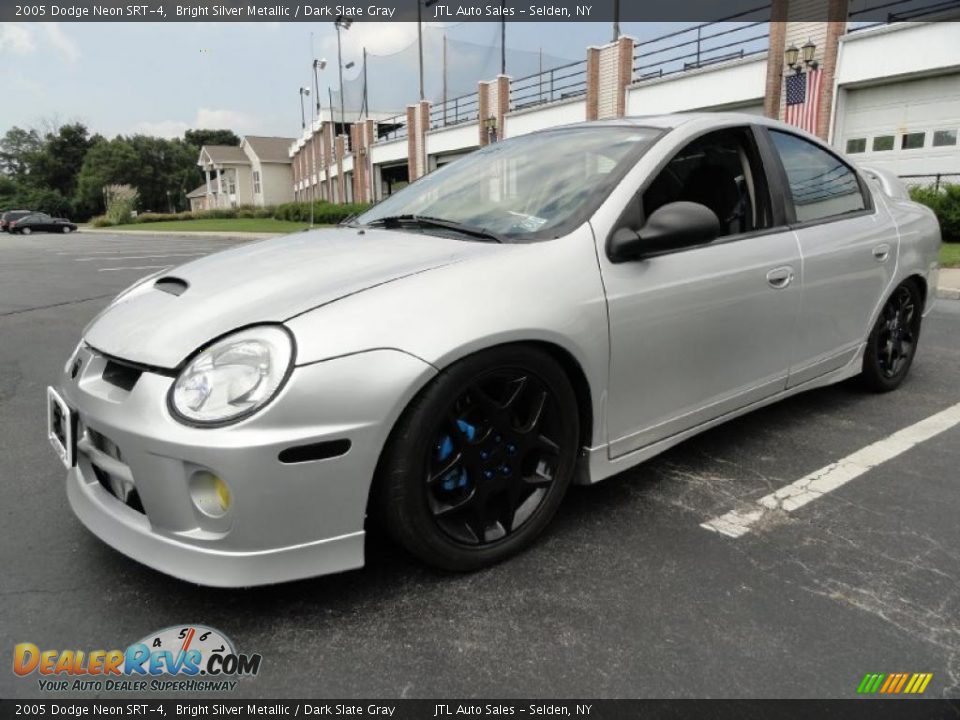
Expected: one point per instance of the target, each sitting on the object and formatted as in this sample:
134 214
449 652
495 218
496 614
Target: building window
943 138
822 186
882 143
256 182
856 145
912 141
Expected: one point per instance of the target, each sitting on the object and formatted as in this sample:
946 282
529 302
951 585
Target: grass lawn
258 225
950 255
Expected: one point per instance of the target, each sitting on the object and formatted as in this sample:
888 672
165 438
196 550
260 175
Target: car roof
671 121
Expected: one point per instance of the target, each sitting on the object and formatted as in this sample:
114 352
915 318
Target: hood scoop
171 285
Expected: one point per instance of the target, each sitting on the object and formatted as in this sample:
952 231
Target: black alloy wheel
480 461
892 345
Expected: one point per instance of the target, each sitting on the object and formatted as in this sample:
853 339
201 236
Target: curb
948 293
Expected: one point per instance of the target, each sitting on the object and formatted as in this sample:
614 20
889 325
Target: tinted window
883 142
944 137
912 141
857 145
535 186
822 185
719 170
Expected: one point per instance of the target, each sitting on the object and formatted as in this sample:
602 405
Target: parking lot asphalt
626 595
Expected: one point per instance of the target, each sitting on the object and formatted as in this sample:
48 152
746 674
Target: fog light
210 493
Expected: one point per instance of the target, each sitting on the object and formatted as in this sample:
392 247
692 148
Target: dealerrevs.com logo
189 658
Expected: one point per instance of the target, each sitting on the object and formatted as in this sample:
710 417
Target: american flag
803 100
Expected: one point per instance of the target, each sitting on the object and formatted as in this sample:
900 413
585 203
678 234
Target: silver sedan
554 308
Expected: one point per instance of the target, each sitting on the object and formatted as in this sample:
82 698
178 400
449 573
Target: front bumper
133 479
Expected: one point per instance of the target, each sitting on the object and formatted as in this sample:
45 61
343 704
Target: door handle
780 277
881 252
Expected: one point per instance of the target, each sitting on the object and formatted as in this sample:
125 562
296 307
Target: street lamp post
425 3
303 116
344 23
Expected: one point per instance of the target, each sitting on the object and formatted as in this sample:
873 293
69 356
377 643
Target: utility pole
366 106
503 39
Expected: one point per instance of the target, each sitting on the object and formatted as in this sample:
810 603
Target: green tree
199 138
56 164
18 151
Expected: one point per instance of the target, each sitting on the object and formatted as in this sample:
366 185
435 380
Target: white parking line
817 484
139 257
136 267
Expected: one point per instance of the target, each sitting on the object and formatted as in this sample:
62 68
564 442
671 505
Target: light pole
420 5
616 20
303 116
345 23
318 65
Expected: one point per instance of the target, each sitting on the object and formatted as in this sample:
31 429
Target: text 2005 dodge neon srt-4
553 308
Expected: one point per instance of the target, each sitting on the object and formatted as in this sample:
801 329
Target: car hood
268 281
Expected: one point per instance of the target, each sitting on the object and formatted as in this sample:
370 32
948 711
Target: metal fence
902 11
455 111
934 180
702 45
392 128
559 83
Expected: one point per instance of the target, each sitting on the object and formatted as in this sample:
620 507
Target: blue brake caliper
456 478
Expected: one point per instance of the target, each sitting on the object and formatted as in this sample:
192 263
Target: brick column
796 31
609 72
775 48
493 102
418 122
327 132
340 147
593 81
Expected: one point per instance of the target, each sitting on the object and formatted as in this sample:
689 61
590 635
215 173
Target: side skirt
595 465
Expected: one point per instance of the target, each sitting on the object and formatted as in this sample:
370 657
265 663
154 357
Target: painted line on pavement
737 523
140 257
136 267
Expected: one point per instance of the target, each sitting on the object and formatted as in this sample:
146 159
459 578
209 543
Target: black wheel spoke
448 466
495 457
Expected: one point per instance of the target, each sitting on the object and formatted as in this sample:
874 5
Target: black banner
469 10
453 709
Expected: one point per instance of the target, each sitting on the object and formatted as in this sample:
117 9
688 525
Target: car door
698 333
849 245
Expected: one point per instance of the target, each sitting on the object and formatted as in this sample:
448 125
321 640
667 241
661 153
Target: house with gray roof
258 172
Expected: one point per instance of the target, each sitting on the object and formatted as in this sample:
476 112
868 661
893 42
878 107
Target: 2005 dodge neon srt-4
553 308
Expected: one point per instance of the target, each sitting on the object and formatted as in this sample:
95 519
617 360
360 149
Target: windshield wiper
427 221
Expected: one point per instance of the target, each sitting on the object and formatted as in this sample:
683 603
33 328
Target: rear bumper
134 483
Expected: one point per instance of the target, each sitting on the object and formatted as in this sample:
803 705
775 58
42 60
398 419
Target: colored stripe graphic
894 683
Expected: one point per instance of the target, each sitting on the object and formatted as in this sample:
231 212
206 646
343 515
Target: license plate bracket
61 428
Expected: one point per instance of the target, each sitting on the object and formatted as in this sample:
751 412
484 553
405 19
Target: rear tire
479 462
892 344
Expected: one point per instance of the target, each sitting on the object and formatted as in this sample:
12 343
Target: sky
164 78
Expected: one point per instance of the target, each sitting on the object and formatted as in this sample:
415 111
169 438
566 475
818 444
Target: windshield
532 187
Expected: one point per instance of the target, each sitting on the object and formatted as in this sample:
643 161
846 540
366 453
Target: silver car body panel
666 348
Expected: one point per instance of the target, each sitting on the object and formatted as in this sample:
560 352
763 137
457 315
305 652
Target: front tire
25 231
892 344
65 229
480 461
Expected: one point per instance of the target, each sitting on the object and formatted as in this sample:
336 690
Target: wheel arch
563 357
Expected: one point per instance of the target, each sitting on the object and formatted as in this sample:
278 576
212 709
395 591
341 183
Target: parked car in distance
41 222
554 308
11 215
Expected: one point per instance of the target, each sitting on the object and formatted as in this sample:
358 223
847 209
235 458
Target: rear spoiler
892 185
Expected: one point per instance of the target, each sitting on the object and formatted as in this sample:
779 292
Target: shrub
324 213
100 221
946 204
121 201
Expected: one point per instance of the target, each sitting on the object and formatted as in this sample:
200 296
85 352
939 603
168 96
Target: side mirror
673 226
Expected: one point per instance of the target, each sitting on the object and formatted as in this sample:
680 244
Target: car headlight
234 377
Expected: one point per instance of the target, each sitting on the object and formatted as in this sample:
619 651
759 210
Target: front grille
108 465
120 375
